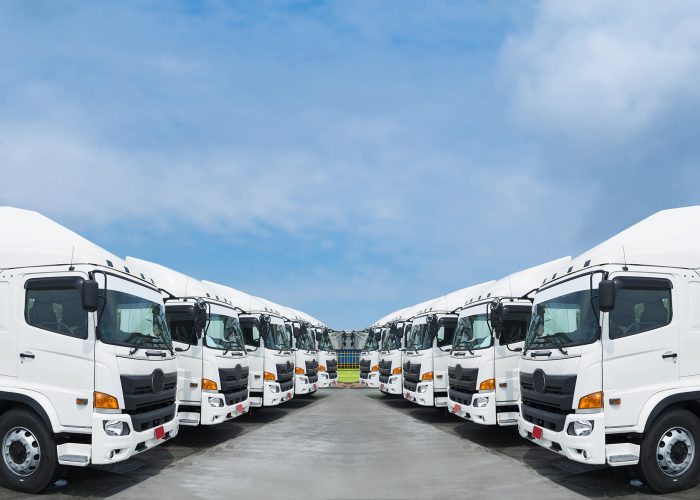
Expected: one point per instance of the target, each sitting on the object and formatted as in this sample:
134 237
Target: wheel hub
675 452
20 451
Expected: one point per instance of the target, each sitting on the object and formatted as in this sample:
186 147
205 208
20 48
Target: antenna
624 257
72 252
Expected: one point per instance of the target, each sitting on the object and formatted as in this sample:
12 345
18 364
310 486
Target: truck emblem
458 372
157 381
539 382
289 366
408 366
237 372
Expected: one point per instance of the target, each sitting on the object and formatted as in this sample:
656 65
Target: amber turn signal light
591 401
488 385
105 401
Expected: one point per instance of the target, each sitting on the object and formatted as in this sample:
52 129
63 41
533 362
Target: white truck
369 358
208 341
88 374
304 349
483 367
327 357
391 349
428 346
269 348
610 371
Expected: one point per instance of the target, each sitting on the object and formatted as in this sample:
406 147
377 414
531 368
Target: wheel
669 460
29 462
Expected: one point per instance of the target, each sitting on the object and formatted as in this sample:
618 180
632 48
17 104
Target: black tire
651 471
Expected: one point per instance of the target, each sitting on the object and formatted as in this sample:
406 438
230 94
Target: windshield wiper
139 343
555 341
465 343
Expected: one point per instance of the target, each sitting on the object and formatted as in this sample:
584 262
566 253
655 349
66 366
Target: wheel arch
12 400
686 400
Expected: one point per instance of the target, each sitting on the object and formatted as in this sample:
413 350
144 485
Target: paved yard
345 444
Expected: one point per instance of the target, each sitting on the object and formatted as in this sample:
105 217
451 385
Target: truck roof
174 282
32 239
453 300
521 282
248 303
668 238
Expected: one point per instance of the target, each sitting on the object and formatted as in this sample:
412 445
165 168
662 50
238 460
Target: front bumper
303 386
372 380
424 398
211 415
586 449
326 379
482 414
393 386
272 395
110 449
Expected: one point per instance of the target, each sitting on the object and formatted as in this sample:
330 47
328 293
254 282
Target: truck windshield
391 341
325 343
564 321
305 340
224 332
371 343
132 321
419 338
473 333
277 337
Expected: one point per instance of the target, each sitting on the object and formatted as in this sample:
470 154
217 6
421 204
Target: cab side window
641 308
181 324
55 305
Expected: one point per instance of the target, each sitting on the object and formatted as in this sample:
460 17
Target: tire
669 459
22 430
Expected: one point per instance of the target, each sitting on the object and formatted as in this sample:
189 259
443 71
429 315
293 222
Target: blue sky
349 158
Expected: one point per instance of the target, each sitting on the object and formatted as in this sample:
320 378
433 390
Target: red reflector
314 387
381 386
239 408
457 408
159 432
289 395
537 432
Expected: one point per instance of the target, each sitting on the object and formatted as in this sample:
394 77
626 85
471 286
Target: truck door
8 339
189 353
56 345
690 336
640 348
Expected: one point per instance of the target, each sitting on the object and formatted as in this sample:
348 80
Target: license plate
159 432
289 395
456 408
537 432
381 386
408 396
314 387
239 408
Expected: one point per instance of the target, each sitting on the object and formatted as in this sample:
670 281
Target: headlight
116 428
480 402
216 402
422 389
274 388
580 428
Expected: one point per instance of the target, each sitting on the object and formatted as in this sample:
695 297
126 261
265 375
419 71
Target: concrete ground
345 444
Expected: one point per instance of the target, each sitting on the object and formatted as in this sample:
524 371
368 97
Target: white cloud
612 69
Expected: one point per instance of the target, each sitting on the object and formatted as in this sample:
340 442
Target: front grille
332 375
287 386
365 367
313 379
149 409
384 379
234 384
547 408
332 367
312 368
285 371
462 384
384 370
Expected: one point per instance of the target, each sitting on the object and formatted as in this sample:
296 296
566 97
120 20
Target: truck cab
305 357
268 345
327 358
609 372
483 365
88 370
369 358
391 356
208 340
428 346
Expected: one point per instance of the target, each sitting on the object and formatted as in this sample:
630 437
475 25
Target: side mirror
89 295
606 295
200 317
496 317
318 336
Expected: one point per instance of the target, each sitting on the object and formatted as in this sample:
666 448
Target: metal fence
348 359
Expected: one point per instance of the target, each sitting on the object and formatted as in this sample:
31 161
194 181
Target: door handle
668 355
27 355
